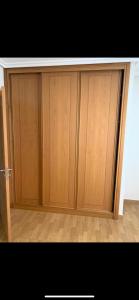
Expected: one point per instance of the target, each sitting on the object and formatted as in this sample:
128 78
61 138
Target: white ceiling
10 62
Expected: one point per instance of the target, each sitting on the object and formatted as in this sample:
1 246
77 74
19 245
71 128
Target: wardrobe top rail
73 68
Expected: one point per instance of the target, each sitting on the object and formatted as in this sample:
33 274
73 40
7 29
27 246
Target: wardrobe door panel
25 93
60 106
99 113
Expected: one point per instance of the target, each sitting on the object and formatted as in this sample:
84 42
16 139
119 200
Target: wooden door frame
6 165
125 67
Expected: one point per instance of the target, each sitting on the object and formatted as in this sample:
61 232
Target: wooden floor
31 226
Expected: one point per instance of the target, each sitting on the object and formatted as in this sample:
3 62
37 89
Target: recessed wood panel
100 98
59 110
26 101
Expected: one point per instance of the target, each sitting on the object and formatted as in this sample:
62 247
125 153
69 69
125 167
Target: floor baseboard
129 201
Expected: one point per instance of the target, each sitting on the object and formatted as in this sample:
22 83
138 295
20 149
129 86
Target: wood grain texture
121 140
94 213
97 139
59 111
69 68
7 85
34 226
26 102
4 164
41 70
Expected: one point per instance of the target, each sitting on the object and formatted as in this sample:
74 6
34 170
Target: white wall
11 62
1 77
130 173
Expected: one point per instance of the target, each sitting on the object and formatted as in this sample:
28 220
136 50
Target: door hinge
6 172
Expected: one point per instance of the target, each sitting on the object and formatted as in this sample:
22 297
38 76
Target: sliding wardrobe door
60 108
26 99
99 117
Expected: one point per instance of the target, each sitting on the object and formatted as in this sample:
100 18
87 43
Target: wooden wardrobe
66 132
